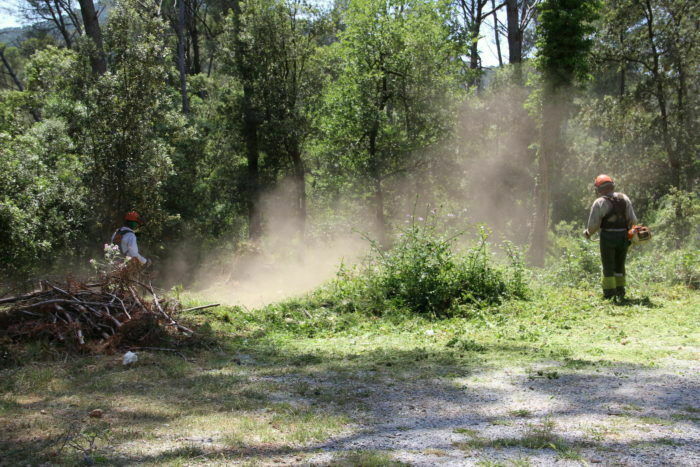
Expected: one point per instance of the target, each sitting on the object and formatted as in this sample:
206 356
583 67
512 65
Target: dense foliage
423 273
230 121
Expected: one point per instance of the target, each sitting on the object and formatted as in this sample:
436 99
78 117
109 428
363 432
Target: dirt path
541 415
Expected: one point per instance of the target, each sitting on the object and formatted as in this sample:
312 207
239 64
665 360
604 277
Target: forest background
277 126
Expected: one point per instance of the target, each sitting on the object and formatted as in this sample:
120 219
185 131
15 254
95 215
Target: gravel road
609 415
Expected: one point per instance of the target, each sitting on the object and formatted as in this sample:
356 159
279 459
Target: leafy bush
42 201
422 273
573 259
676 222
681 267
672 256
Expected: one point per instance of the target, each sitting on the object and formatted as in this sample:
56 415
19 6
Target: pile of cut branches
117 311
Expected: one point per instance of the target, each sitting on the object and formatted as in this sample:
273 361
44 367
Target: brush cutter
639 234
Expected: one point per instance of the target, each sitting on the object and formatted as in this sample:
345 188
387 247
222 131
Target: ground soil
612 415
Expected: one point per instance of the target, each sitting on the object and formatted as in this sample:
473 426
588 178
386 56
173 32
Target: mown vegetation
273 383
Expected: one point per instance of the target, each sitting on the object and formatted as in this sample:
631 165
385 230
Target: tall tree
15 79
519 15
287 36
497 33
181 62
272 62
242 62
91 22
60 15
396 75
563 46
193 21
471 16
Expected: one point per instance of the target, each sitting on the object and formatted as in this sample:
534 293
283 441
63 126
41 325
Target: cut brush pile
97 317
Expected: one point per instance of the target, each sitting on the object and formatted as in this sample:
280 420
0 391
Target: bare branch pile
118 311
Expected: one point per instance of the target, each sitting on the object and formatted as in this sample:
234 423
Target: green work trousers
613 253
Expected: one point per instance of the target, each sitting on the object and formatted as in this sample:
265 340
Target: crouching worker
125 238
613 215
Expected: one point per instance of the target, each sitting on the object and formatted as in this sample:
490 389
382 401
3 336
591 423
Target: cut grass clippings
243 396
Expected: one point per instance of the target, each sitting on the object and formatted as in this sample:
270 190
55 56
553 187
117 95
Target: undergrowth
423 273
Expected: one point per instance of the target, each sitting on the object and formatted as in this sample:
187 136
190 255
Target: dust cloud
497 163
283 264
483 175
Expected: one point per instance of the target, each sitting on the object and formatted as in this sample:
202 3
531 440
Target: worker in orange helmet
125 237
613 215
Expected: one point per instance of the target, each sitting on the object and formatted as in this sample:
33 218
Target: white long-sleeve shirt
128 245
601 207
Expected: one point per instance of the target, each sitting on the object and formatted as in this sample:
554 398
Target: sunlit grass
246 395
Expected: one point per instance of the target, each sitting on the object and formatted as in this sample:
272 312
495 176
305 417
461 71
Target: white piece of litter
129 358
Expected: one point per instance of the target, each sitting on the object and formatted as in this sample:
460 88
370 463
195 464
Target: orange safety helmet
602 179
133 216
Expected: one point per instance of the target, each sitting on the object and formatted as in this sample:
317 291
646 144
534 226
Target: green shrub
573 259
422 273
681 267
676 222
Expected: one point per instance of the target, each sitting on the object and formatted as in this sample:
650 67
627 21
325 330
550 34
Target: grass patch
466 431
501 422
277 378
434 452
520 462
538 436
600 433
365 459
685 417
650 420
148 406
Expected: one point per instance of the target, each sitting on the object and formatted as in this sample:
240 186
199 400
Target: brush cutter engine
639 234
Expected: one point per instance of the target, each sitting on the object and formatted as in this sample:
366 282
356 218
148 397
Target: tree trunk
181 56
194 40
250 129
250 134
623 69
18 83
10 70
497 35
515 38
300 189
68 8
379 220
474 59
549 144
57 17
673 162
93 31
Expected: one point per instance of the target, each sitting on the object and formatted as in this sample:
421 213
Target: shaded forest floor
563 377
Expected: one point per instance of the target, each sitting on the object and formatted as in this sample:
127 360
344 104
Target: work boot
620 292
609 293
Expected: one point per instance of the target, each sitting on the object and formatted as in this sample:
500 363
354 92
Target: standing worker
125 237
613 215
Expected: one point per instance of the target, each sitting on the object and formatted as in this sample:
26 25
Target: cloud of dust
486 173
497 165
283 265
